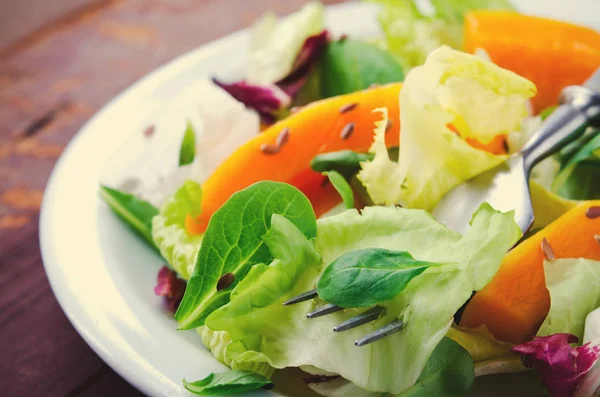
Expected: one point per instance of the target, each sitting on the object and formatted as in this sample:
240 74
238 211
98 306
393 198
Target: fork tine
382 332
302 297
324 310
360 319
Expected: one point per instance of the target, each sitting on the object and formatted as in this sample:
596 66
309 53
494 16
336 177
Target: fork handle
579 108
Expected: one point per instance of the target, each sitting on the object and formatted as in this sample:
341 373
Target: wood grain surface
51 81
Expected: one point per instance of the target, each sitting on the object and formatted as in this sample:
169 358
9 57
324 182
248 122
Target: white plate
102 275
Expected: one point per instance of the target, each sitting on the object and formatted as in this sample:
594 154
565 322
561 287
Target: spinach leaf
133 211
233 243
580 169
187 151
365 277
449 372
342 186
230 382
352 65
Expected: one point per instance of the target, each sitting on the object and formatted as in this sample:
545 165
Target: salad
318 172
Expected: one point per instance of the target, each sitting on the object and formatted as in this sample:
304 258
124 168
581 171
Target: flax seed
225 281
347 131
547 250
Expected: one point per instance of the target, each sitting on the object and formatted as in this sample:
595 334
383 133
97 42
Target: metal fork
579 105
365 317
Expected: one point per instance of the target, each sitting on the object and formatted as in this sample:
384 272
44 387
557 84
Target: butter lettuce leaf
168 229
427 304
411 34
477 98
574 293
275 44
217 342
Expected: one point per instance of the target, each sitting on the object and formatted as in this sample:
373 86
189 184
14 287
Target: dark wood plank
41 352
51 82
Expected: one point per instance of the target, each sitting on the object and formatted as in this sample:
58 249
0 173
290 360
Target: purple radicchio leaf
309 54
561 366
270 100
170 287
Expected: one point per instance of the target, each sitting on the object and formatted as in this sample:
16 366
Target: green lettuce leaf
410 35
275 44
217 342
168 229
449 372
427 305
233 244
547 206
479 99
574 293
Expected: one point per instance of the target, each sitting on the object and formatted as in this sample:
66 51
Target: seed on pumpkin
597 238
269 148
225 281
388 125
593 212
505 145
547 250
295 109
374 85
283 137
348 107
347 130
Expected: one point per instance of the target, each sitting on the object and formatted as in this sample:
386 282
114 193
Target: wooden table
51 81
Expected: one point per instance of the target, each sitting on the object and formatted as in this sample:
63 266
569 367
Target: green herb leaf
230 382
133 211
365 277
342 186
233 243
187 151
449 372
351 65
580 169
344 161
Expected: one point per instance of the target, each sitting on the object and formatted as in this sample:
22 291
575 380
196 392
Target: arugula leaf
135 212
351 65
230 382
449 372
187 151
365 277
342 186
233 243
